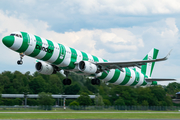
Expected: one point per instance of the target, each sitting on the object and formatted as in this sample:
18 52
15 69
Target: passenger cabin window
17 35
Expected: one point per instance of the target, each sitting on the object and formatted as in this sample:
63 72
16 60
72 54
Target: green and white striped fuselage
65 58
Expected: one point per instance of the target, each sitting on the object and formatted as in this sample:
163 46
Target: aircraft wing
158 79
120 65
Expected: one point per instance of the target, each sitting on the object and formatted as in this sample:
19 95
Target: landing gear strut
20 62
66 81
95 81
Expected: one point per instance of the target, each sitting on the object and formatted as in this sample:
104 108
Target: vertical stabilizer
148 67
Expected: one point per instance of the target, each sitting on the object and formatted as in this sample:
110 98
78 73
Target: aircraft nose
8 41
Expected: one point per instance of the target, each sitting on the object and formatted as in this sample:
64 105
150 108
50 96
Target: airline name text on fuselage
44 49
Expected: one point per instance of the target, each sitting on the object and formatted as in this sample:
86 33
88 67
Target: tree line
106 94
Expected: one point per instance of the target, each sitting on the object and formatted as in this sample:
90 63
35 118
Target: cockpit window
12 34
17 35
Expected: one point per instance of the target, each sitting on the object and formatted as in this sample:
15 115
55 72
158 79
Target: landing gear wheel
67 81
19 62
95 81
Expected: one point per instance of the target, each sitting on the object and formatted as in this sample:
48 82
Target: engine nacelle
87 67
44 68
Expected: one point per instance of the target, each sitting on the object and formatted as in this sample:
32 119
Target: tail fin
148 68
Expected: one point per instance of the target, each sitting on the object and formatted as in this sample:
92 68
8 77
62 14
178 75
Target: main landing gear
95 81
66 81
20 62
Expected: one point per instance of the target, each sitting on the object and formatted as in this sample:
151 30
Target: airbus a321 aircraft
53 57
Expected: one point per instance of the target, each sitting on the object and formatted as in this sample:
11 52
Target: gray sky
116 30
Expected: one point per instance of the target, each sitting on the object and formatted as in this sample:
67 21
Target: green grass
69 115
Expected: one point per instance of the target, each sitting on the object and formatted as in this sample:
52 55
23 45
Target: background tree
37 85
72 89
98 100
120 102
106 102
55 84
84 99
45 99
145 103
172 88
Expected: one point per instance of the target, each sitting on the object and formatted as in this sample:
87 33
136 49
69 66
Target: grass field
91 115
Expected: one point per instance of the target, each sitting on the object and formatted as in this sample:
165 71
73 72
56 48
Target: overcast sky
116 30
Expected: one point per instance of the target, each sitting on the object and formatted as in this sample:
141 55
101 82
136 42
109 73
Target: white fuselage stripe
121 77
131 80
110 75
31 46
79 56
67 58
90 58
100 59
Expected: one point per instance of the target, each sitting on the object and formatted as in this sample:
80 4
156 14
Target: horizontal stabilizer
158 79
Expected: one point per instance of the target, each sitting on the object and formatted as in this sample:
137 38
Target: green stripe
48 55
127 77
24 45
85 56
154 57
73 58
144 82
104 75
143 68
105 60
137 78
154 83
116 76
95 58
62 53
36 51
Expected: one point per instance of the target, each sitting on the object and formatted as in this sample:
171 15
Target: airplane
54 57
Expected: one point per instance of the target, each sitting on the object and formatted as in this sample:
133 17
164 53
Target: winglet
167 56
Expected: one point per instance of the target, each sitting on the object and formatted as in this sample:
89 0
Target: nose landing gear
20 62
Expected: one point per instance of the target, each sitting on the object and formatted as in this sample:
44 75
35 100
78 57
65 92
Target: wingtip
167 56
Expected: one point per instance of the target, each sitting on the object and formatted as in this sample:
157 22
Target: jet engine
87 67
44 68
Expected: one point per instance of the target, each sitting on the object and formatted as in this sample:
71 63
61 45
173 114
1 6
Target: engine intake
44 68
87 67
